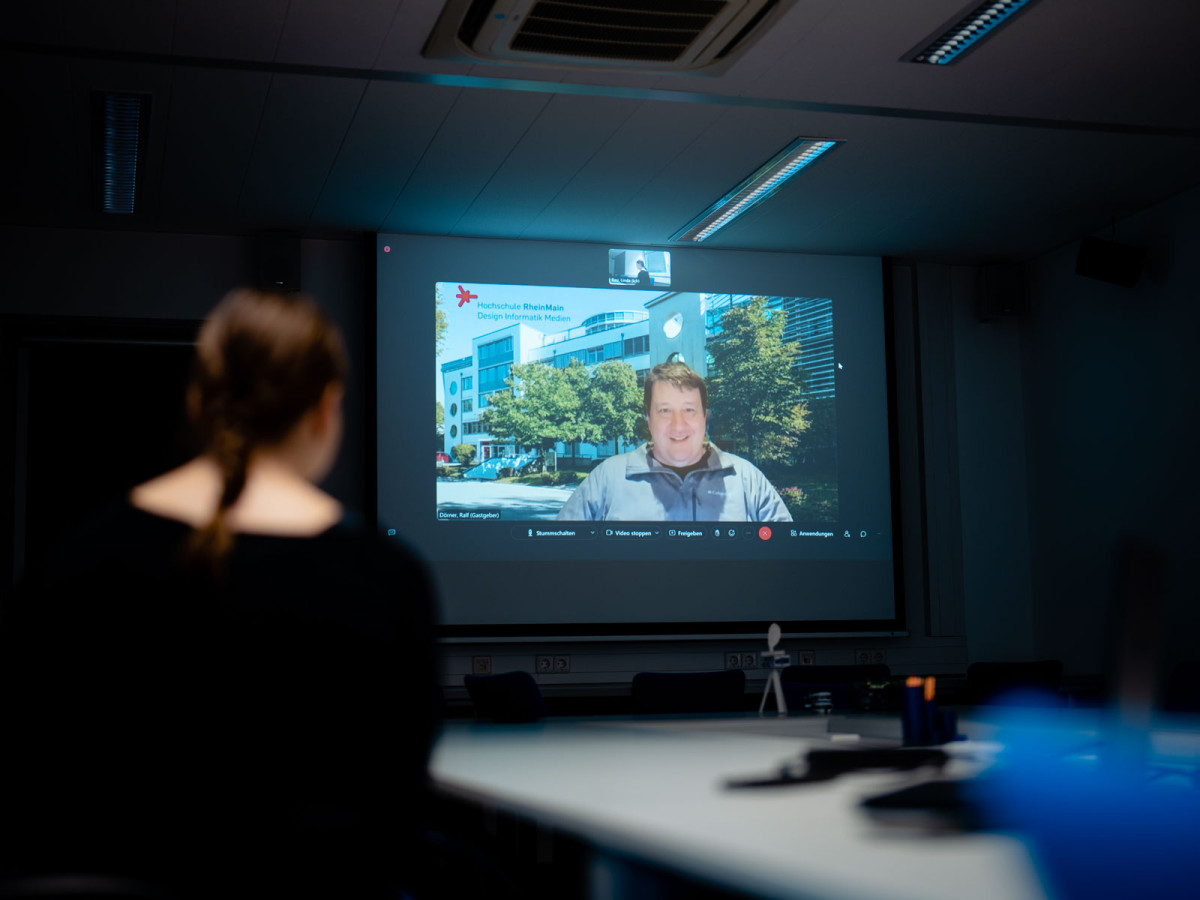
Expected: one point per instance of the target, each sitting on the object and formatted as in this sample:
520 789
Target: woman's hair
262 361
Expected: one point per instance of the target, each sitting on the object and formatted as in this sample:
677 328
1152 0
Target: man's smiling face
677 422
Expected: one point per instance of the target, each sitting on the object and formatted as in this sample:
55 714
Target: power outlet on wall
562 665
741 659
870 656
806 657
544 665
481 665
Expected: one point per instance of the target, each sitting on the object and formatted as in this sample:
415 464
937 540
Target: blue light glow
969 31
764 182
120 132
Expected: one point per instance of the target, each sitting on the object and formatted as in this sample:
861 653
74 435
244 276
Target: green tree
754 390
439 322
464 453
542 406
613 402
571 389
515 413
822 429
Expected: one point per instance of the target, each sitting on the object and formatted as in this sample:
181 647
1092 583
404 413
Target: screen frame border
697 630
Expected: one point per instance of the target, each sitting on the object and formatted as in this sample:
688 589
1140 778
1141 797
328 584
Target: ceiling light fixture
769 178
955 38
120 129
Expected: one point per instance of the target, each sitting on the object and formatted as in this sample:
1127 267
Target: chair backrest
689 692
1034 682
506 697
799 682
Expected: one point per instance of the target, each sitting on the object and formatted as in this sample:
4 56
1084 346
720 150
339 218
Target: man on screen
679 476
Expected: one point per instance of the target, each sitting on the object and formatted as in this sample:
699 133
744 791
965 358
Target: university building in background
620 335
673 326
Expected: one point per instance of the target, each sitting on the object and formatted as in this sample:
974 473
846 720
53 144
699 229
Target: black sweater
265 733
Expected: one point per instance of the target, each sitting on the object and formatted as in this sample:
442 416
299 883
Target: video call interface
577 359
541 449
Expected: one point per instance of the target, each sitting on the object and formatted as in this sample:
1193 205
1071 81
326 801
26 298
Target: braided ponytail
210 544
262 361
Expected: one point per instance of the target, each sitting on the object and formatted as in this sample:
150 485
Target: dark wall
135 275
1060 437
1110 385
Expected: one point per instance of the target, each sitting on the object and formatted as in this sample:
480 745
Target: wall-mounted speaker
279 262
1109 261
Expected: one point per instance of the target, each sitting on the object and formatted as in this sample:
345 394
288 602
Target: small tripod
778 660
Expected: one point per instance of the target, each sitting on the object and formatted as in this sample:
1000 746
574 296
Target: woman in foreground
225 686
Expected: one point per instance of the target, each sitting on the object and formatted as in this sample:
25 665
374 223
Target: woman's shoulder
350 552
113 545
118 528
122 532
351 571
273 501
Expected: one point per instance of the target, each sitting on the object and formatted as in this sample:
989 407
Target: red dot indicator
387 248
764 533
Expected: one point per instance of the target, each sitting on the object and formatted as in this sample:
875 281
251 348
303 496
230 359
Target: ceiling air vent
627 35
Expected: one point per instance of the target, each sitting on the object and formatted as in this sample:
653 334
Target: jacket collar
641 462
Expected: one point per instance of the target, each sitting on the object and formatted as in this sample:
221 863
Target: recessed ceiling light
119 127
958 36
769 178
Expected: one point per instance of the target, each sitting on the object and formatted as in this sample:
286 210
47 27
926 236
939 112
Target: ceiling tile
597 197
563 138
244 137
411 27
47 190
229 29
474 140
321 33
141 25
214 119
302 128
34 23
390 133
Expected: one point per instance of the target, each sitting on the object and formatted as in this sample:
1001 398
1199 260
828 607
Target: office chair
849 687
1015 683
689 692
508 697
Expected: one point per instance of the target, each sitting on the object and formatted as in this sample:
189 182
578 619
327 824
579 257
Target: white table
654 791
